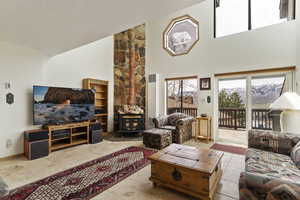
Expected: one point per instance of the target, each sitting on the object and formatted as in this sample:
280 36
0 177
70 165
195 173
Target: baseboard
106 133
12 157
22 154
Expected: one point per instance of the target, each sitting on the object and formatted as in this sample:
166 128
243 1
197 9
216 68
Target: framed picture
181 35
204 83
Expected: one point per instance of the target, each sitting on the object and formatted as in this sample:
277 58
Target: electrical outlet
8 143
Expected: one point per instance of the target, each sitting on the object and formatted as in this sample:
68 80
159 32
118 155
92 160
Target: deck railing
232 118
236 118
261 119
188 111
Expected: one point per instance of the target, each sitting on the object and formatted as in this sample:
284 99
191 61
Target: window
182 96
266 12
234 16
229 20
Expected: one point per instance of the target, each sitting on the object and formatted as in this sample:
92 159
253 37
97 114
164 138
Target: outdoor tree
182 91
223 99
232 100
174 92
236 100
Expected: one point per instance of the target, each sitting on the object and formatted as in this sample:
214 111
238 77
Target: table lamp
289 104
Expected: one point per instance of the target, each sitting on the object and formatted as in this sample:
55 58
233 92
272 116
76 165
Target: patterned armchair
270 172
180 125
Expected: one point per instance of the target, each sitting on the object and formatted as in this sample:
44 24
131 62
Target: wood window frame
259 71
181 78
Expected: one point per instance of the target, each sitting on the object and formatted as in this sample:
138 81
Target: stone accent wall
129 67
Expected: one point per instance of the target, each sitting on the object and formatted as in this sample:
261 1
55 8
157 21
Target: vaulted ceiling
56 26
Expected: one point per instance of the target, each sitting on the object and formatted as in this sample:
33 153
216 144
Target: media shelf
62 136
101 99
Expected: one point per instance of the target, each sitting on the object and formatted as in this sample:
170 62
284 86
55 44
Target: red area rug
87 180
229 149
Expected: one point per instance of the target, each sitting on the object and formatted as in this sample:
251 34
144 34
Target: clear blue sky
39 92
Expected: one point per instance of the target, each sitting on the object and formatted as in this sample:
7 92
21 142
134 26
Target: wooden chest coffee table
193 171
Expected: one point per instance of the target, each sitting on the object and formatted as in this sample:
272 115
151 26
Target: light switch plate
7 85
8 143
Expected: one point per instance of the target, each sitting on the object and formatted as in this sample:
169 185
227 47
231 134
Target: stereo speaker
35 135
36 144
95 137
96 126
36 149
95 133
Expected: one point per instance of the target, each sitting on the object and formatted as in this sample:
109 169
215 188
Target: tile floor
19 171
236 137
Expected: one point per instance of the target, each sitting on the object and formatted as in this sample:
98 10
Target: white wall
269 47
24 67
94 60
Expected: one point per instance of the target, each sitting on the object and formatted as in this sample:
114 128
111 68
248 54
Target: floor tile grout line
225 167
229 196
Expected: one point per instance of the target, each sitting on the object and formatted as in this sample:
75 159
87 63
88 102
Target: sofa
180 124
3 188
271 171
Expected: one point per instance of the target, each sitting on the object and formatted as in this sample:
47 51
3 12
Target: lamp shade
287 101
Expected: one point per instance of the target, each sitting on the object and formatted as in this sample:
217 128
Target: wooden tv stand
75 134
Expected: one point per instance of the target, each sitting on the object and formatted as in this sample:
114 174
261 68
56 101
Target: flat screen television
54 105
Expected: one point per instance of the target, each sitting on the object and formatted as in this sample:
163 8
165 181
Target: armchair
180 125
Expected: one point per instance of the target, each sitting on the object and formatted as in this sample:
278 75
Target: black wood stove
131 123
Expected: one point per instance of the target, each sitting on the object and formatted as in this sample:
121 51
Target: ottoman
3 188
157 138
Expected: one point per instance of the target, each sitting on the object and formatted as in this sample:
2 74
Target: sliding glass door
232 111
264 91
243 103
182 96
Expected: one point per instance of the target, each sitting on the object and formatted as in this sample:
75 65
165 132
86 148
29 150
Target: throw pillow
295 155
173 118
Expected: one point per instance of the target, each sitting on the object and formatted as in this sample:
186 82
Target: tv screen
53 105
